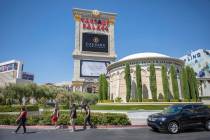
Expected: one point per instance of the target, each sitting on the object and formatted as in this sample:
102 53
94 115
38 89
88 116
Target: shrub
44 119
118 100
16 108
193 100
7 119
147 100
105 101
128 107
204 97
185 100
33 120
163 100
174 100
133 100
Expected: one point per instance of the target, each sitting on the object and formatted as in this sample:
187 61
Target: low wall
149 103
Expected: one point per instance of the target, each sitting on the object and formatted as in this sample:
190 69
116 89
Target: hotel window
5 68
1 69
10 66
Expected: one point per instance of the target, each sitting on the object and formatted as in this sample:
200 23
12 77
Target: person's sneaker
14 132
72 130
93 126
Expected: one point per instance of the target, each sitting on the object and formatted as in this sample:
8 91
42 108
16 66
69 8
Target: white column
77 36
148 86
179 87
111 43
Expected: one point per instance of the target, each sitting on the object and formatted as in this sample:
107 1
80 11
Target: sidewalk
137 117
50 127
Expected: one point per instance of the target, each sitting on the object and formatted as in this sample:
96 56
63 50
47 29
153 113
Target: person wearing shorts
55 116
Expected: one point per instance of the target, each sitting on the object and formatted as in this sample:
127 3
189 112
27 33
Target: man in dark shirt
87 118
73 116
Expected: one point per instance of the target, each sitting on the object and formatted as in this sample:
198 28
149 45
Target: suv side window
188 108
200 108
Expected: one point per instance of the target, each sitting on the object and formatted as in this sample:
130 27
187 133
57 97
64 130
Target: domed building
116 74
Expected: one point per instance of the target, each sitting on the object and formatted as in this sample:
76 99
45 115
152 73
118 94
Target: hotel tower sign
94 47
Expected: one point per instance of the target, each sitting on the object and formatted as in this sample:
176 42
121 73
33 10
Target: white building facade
117 81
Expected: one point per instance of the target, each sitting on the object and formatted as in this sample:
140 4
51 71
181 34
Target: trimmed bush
134 100
118 99
128 107
16 108
106 101
185 100
174 100
45 119
193 100
147 100
7 119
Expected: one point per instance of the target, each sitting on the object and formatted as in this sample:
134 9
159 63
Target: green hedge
105 101
147 100
16 108
44 119
174 100
204 97
128 107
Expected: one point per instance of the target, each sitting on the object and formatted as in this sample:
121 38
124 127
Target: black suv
181 116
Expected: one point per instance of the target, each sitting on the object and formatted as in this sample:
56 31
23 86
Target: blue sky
41 32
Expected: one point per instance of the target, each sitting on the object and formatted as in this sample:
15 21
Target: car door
188 117
200 113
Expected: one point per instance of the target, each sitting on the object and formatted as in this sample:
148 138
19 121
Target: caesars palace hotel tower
94 47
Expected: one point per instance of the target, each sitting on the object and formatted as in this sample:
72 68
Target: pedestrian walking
55 116
87 118
21 120
73 116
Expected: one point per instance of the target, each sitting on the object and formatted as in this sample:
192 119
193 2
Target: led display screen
94 42
93 68
27 76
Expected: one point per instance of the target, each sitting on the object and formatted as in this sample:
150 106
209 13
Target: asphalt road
103 134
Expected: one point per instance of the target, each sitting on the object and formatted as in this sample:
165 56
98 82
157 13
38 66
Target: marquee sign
89 68
200 61
94 42
95 24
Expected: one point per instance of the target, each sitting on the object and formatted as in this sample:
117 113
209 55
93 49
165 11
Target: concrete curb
50 127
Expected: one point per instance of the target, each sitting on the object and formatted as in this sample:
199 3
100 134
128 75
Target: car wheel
173 127
207 125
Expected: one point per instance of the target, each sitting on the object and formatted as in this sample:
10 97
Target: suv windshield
172 109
